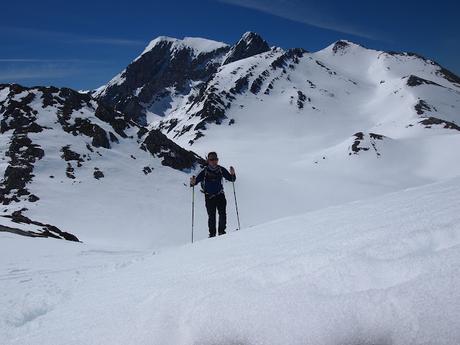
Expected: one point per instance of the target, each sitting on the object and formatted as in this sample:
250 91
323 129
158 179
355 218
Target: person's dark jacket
212 179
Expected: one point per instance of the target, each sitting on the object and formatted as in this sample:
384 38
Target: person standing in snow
211 179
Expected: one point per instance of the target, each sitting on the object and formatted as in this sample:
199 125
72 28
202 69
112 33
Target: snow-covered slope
345 85
380 271
308 130
70 162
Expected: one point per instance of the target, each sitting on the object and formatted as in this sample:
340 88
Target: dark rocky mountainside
168 68
249 45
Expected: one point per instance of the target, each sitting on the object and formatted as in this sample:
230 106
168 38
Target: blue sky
82 44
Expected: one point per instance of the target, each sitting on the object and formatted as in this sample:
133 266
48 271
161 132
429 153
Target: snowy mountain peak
248 36
343 46
167 66
196 45
159 39
250 44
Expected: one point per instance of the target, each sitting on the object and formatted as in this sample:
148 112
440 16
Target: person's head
212 159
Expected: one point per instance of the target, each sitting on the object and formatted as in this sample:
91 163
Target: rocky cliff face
169 69
166 68
249 45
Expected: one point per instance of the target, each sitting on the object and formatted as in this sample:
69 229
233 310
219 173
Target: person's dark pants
219 203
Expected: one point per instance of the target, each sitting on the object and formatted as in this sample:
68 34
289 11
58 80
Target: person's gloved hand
232 171
192 181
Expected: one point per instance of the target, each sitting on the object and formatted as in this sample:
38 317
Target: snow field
380 271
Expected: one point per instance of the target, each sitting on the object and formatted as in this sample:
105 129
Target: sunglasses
213 159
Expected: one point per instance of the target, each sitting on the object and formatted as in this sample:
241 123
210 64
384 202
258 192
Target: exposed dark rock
411 54
290 56
17 114
23 154
86 127
339 46
415 81
34 128
198 135
448 75
355 146
241 85
169 125
49 96
33 198
187 128
69 155
214 105
430 121
69 171
141 132
312 85
421 106
98 174
376 136
301 98
257 85
358 146
43 229
71 101
115 118
113 138
269 87
249 45
147 170
90 149
172 154
213 108
331 72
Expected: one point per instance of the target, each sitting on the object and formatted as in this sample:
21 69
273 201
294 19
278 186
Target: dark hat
212 154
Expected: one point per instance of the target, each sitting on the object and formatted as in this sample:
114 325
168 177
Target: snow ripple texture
378 271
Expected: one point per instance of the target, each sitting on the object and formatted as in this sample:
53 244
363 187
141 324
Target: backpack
206 177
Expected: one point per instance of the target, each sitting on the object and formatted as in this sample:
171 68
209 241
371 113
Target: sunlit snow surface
381 271
196 44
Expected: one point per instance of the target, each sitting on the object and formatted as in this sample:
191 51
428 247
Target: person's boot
222 232
212 235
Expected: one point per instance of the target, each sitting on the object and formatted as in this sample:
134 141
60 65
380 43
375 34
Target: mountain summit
249 45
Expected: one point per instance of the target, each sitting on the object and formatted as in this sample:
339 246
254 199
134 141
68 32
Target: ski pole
193 208
236 205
